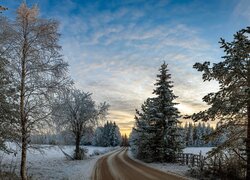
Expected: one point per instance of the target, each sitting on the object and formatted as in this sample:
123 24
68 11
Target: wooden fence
190 159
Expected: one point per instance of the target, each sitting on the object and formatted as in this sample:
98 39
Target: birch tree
77 112
39 71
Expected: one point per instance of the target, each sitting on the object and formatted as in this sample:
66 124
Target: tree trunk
77 151
248 125
24 155
23 119
248 141
23 125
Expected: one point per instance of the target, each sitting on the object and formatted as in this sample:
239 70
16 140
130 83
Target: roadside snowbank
52 164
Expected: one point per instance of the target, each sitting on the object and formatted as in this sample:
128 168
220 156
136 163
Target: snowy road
118 166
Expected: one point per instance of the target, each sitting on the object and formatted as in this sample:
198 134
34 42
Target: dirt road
118 166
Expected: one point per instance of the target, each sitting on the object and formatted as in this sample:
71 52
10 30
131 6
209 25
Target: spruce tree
158 133
145 129
231 104
167 115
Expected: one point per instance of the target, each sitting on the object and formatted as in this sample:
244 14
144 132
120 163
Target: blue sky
115 48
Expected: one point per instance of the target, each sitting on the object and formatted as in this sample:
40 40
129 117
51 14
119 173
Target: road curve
118 166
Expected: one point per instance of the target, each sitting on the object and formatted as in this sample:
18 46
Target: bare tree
31 47
77 112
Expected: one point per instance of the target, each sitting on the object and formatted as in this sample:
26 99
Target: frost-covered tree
125 141
133 140
98 137
145 132
198 135
8 106
190 135
76 111
157 125
108 135
167 115
32 49
88 136
116 135
231 104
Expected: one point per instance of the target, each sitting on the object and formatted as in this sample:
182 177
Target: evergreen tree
156 126
190 135
117 135
125 141
231 104
199 135
108 135
167 116
145 128
98 137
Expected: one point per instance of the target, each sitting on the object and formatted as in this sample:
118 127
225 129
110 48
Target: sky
115 47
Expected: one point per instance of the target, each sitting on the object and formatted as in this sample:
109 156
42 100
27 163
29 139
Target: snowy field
197 150
52 164
176 168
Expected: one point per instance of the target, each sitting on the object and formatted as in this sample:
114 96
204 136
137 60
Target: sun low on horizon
115 48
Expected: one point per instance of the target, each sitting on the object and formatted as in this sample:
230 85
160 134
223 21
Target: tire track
118 166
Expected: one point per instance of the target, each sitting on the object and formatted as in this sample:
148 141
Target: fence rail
190 159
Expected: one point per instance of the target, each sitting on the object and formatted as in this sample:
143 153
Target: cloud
115 49
242 9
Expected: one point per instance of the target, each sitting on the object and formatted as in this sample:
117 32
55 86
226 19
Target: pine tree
231 104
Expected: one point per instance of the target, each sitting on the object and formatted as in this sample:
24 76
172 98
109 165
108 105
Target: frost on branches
108 135
156 135
231 104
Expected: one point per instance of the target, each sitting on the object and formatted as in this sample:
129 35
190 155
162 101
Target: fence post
192 160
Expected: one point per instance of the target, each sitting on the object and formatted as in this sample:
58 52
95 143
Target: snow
52 164
197 150
175 168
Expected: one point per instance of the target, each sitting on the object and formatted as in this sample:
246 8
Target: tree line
197 135
108 135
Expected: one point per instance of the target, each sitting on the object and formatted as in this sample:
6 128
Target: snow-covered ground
197 150
176 168
52 164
